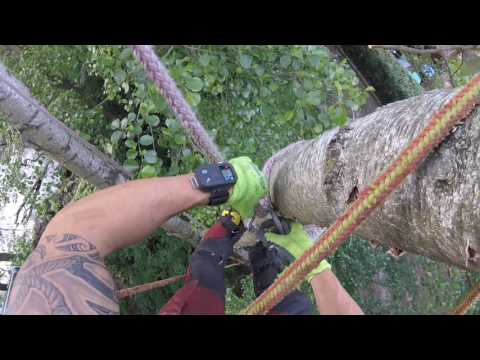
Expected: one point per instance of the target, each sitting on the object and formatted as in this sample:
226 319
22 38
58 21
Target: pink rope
158 73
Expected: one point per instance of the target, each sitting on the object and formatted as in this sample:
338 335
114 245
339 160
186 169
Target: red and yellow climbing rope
370 198
472 297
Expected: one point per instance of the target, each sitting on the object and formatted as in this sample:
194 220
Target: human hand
251 186
220 238
296 242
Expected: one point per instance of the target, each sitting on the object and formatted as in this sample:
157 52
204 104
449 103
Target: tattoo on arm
64 275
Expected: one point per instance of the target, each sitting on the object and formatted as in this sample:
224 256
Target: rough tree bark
435 212
43 132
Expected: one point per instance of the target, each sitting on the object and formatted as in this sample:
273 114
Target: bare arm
66 273
331 297
125 214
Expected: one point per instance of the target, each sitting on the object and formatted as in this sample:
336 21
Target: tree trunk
373 102
44 132
6 257
434 213
390 80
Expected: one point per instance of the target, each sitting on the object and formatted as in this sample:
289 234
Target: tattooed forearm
64 275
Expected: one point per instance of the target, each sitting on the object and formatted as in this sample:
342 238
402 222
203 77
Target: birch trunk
435 213
43 132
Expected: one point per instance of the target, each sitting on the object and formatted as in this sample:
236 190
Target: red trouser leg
204 290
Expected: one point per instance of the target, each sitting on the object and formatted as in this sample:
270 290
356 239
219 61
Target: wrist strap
219 196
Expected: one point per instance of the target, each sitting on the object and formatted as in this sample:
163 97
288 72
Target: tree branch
44 132
437 50
20 208
451 81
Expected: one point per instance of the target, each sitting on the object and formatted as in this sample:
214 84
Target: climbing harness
368 200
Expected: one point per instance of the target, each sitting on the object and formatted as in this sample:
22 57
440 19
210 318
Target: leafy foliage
409 285
159 257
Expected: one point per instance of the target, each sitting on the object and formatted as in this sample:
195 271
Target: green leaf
125 54
150 157
131 165
180 139
273 87
147 172
195 84
120 76
314 98
116 136
115 124
285 60
259 70
224 71
308 84
193 98
264 92
204 59
314 60
146 140
245 61
130 143
132 117
172 124
340 117
159 103
132 154
289 115
137 130
318 129
109 148
153 120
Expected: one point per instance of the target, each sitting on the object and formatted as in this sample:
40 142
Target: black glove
220 238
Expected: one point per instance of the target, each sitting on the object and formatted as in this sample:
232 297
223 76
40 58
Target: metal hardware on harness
276 224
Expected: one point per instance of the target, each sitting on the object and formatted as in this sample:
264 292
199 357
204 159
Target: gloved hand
251 186
219 240
204 289
297 242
